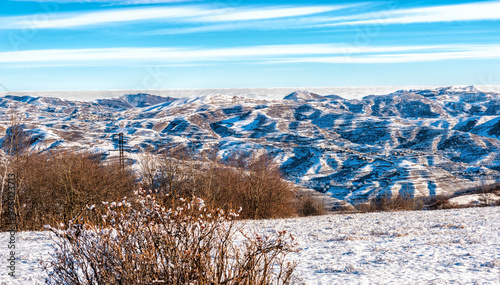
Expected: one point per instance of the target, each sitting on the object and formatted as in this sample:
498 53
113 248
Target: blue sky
171 44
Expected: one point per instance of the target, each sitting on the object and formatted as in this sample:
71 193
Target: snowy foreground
460 246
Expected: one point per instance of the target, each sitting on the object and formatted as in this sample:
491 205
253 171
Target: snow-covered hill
409 142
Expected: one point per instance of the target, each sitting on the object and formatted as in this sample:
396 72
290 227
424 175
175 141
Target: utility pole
121 149
122 152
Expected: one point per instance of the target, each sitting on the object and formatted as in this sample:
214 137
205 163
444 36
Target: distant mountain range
410 142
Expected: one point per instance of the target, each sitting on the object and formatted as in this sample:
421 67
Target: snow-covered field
460 246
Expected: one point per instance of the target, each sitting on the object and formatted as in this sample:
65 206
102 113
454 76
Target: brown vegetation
55 187
310 206
438 202
254 184
398 203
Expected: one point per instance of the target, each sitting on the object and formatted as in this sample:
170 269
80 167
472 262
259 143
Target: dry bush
55 187
260 191
438 202
310 206
385 203
174 172
143 242
15 142
254 184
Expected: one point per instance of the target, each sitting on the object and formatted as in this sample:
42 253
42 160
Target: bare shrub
254 184
485 191
143 242
310 206
263 193
172 172
55 187
13 144
385 203
16 140
438 202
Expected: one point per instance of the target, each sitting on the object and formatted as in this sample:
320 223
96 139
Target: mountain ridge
409 142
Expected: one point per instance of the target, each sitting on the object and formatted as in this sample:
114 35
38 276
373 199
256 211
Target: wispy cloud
210 17
473 53
261 25
183 14
315 53
116 2
68 20
479 11
267 13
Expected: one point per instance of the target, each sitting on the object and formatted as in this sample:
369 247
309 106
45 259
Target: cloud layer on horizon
314 53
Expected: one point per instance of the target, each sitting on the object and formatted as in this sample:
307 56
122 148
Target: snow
31 247
459 246
474 199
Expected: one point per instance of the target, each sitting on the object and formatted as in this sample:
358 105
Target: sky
177 44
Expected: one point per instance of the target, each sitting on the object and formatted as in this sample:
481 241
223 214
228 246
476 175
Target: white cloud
471 52
212 17
261 25
445 13
319 53
67 20
117 2
267 13
183 14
